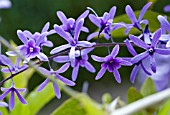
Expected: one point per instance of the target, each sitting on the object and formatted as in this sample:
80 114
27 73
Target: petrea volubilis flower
5 4
111 63
136 23
72 41
150 49
167 8
136 65
69 24
57 76
81 59
11 67
13 90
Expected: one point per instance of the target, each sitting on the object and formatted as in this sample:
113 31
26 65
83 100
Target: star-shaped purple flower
150 49
57 75
136 22
13 90
111 63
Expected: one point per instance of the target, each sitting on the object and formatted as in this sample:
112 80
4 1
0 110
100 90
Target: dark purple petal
31 43
42 85
144 9
11 101
44 71
61 59
83 15
167 8
92 35
57 90
145 69
130 48
131 14
95 20
98 59
64 80
42 57
62 17
75 72
62 33
133 73
60 48
115 51
117 75
22 37
139 57
100 73
63 68
22 100
138 42
89 67
162 51
46 27
153 63
156 37
78 28
4 94
112 12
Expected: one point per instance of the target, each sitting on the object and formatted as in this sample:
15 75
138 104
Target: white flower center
31 49
77 53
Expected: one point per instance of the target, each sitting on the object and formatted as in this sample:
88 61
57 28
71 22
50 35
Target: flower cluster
75 52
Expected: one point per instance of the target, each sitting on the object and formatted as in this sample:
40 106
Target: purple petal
164 24
117 75
95 20
125 63
83 15
46 27
85 29
6 61
133 73
66 81
75 72
130 48
60 48
131 14
139 57
112 12
92 35
86 51
11 101
42 85
156 37
167 8
100 73
144 9
48 44
28 34
31 43
153 63
145 69
61 59
168 44
138 42
98 59
21 89
18 62
162 51
89 67
72 55
63 68
62 33
42 57
11 53
44 71
41 38
3 104
84 44
78 27
115 51
4 89
62 17
22 37
22 100
57 90
4 94
144 22
5 70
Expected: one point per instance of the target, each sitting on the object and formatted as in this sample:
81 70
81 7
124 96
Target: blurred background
33 14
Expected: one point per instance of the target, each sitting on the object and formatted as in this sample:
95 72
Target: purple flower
150 49
81 59
72 41
104 24
5 4
69 25
11 67
111 63
13 90
57 75
167 8
136 23
136 65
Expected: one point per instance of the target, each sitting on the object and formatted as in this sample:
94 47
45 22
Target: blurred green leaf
82 105
133 95
148 87
36 100
4 111
165 109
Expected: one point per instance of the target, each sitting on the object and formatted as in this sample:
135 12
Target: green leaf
133 95
36 100
4 111
148 87
165 109
81 105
